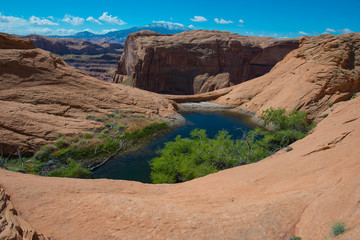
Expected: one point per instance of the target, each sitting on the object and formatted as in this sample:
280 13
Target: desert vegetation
187 158
338 228
75 155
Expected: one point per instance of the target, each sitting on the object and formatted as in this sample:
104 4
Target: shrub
88 135
44 153
120 127
146 131
338 228
295 238
188 158
72 170
61 142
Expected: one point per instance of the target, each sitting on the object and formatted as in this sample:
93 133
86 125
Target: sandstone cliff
42 96
323 71
197 61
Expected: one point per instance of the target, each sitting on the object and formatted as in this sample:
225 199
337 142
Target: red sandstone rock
323 71
42 96
196 61
8 41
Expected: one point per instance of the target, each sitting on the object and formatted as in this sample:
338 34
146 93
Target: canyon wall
324 70
64 46
197 61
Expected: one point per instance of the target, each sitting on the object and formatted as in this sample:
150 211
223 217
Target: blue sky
261 18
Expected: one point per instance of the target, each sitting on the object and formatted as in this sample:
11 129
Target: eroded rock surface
12 225
323 71
42 96
301 192
197 61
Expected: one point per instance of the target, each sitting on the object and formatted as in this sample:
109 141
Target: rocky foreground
197 61
301 192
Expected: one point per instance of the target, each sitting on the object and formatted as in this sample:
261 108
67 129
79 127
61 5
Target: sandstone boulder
197 61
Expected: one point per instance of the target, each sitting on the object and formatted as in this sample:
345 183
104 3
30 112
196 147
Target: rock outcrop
12 225
301 192
42 96
8 41
197 61
323 71
63 46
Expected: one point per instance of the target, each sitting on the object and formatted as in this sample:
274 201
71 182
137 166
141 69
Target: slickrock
197 61
301 192
323 71
12 225
42 96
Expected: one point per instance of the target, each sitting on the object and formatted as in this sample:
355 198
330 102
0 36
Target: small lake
135 165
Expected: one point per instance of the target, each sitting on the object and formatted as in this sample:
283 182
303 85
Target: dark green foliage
295 120
295 238
72 170
338 228
188 158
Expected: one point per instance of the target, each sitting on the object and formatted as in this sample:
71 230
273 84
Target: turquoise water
135 165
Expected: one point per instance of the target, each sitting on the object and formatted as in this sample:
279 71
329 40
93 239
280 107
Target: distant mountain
121 35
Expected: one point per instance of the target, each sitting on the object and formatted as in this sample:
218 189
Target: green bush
88 135
188 158
146 131
72 170
338 228
61 142
295 238
44 152
295 120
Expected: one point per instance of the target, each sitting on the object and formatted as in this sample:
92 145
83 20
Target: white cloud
93 20
329 30
192 27
345 30
198 19
249 33
76 21
110 19
241 21
222 21
49 31
9 22
303 33
104 31
168 25
51 17
41 22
